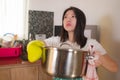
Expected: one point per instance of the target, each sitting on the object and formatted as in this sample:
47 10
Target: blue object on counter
9 34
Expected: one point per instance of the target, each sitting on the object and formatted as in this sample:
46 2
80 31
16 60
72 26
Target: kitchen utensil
66 63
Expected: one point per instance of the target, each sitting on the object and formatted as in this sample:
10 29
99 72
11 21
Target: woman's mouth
68 24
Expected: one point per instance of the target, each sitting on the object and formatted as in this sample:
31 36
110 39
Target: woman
72 32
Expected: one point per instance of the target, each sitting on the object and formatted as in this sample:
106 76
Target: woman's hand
97 61
106 61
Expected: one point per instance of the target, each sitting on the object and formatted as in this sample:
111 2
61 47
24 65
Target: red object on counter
10 52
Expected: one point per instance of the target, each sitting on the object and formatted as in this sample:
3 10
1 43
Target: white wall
94 10
104 13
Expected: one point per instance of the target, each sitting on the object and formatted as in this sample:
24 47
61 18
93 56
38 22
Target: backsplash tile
41 22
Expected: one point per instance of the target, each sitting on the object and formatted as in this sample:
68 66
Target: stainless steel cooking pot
66 63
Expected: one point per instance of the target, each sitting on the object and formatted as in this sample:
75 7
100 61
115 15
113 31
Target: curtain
13 17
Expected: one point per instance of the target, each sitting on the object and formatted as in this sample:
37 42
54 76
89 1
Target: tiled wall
94 31
41 22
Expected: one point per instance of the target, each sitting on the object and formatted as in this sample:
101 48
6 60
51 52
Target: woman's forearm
108 63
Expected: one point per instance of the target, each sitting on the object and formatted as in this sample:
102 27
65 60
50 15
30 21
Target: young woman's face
69 21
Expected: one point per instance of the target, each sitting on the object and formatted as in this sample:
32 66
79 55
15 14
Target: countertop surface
15 62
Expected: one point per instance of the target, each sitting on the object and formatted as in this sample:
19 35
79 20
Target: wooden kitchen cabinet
15 69
24 73
43 75
5 74
19 73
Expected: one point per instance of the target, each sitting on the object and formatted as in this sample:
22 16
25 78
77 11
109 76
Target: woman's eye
73 16
69 16
65 17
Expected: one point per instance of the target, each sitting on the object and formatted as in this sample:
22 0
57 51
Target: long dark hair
79 29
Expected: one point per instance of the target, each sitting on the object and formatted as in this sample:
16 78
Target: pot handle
90 55
64 43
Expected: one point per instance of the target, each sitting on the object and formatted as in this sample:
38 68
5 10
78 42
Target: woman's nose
68 19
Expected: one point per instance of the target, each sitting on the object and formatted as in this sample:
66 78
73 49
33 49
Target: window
13 17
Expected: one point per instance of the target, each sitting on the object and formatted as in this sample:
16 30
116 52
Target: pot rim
65 49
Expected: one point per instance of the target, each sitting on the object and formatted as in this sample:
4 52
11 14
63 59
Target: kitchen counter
15 61
17 69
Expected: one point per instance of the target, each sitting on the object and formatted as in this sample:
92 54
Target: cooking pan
65 63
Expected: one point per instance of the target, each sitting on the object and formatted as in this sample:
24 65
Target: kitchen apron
66 78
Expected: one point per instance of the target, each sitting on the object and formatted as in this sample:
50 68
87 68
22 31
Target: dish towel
91 73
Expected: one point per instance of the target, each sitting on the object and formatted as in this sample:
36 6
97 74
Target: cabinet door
43 75
5 74
24 73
